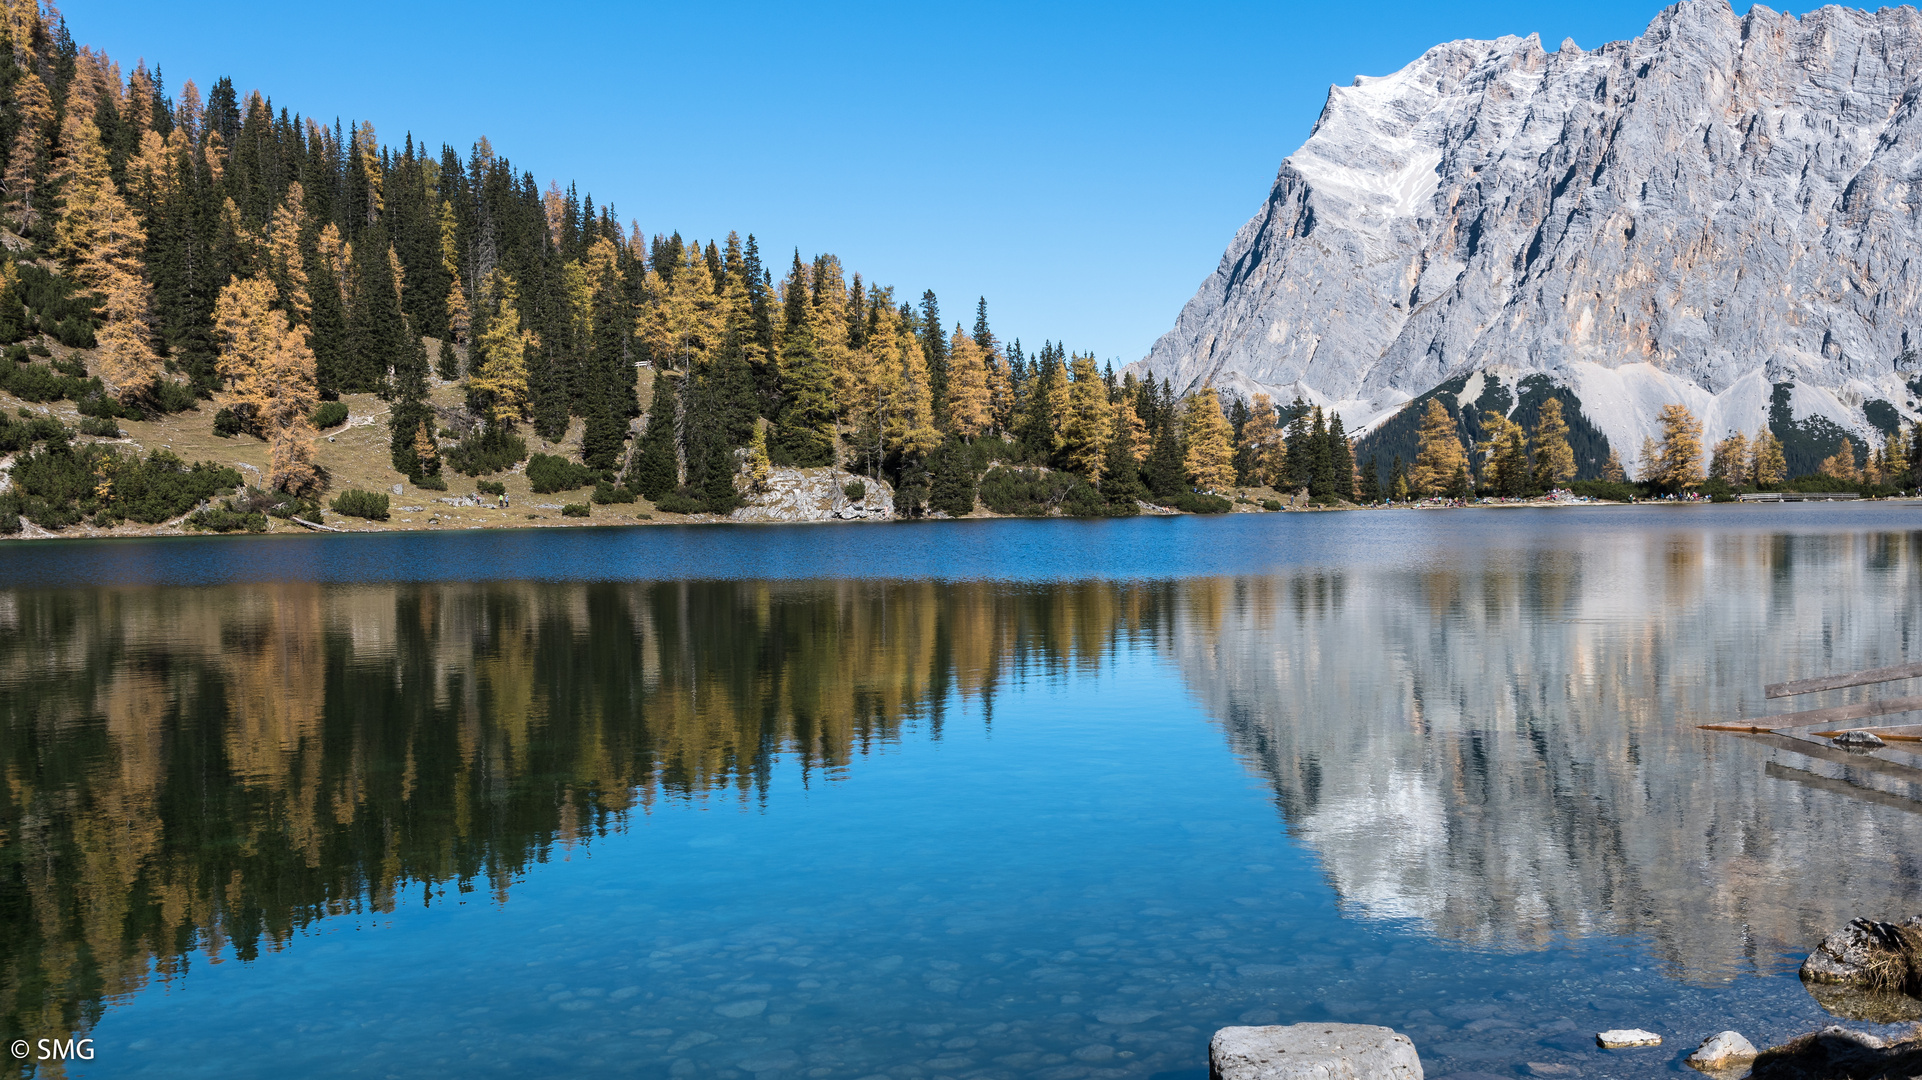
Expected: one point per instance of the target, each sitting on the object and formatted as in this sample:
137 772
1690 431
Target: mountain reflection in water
1503 751
1507 752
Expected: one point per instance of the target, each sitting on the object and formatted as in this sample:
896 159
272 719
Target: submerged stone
1312 1052
1625 1037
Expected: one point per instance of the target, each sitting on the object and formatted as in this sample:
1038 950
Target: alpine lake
1048 799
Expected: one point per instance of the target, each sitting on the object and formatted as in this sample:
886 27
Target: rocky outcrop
1836 1053
1720 212
1869 971
817 495
1869 954
1312 1052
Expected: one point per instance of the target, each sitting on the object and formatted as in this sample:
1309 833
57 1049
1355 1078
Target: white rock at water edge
1725 1050
1312 1052
1621 1037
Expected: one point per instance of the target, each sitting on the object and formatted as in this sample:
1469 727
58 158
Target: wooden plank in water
1838 714
1837 682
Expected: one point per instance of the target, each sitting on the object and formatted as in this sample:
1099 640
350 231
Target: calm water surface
1049 799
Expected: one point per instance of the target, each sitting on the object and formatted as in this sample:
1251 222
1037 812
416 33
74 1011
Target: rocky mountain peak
1720 212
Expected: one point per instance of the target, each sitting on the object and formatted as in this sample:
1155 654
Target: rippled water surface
1050 799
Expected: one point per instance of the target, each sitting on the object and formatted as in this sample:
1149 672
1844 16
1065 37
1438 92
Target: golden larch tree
499 381
450 262
1438 452
1554 459
1085 436
1612 470
970 405
1128 420
1841 464
30 146
1261 438
100 238
270 368
1680 461
1211 451
1769 465
1730 462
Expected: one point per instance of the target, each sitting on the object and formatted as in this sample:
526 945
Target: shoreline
515 518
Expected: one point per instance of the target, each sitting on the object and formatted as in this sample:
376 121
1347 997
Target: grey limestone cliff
1722 212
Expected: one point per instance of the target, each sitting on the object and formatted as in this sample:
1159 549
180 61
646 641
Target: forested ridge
196 245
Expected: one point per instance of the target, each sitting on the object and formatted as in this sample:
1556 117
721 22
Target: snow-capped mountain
1725 212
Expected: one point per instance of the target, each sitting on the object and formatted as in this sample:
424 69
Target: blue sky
1082 166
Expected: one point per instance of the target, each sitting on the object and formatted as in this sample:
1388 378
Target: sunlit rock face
1719 207
1506 751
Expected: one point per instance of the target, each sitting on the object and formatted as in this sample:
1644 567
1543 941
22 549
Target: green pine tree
1341 460
952 480
1121 477
410 409
804 432
653 472
1167 467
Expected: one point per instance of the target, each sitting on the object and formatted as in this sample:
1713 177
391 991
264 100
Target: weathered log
1837 682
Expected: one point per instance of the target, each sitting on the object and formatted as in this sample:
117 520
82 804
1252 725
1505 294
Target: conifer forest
209 251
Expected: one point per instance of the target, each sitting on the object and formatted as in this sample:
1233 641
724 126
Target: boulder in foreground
1835 1053
1312 1052
1870 955
1727 1050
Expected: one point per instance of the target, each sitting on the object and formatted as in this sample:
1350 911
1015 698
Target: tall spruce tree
652 473
804 433
1121 476
951 478
410 411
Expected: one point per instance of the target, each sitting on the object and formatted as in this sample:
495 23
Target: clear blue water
1046 799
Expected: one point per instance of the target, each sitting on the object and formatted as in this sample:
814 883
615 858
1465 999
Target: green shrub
574 510
431 482
61 484
225 519
490 487
606 493
1818 482
15 435
38 382
39 348
1612 490
107 408
855 490
330 414
1196 502
1082 500
97 426
74 333
1271 504
70 367
371 505
677 502
548 473
487 452
1027 492
174 397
